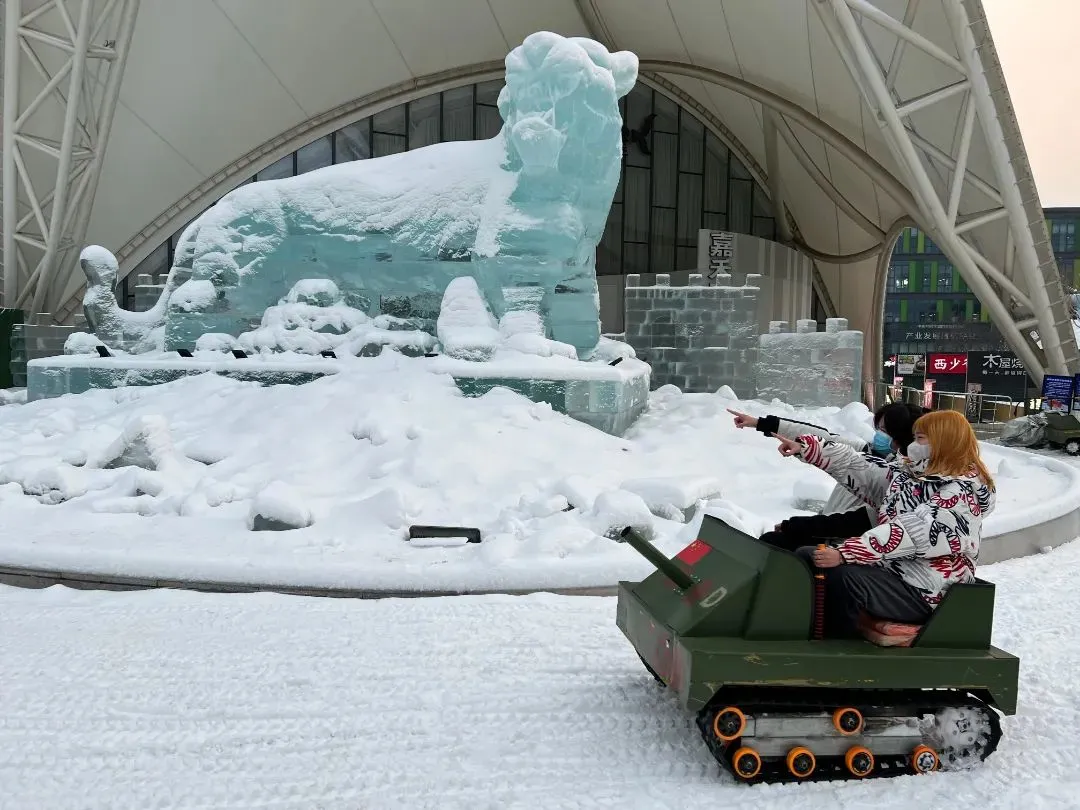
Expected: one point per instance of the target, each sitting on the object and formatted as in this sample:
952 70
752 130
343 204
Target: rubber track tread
871 702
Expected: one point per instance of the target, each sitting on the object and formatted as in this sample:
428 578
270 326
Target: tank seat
888 633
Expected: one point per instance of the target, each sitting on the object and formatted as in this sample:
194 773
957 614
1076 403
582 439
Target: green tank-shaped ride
728 625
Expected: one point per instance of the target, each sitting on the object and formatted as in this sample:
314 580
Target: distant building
930 310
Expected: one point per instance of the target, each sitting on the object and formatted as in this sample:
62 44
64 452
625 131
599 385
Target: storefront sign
908 364
947 364
994 364
999 373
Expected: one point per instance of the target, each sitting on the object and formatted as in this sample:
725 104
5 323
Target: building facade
930 310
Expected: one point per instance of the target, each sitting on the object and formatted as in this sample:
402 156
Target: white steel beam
1011 307
1054 333
64 113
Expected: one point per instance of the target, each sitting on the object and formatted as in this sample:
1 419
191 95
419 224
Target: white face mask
918 452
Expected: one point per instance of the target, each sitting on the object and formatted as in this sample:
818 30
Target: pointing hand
742 420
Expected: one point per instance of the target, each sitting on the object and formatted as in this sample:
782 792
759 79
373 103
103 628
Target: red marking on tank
693 553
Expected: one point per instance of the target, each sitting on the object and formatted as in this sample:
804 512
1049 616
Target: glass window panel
156 264
353 142
689 209
384 144
716 174
424 121
638 109
390 122
765 227
488 122
664 173
488 92
277 170
636 205
457 114
715 222
609 251
738 170
635 258
663 240
740 214
686 259
691 144
762 204
667 114
619 188
314 155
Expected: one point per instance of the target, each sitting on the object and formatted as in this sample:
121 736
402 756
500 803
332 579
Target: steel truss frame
1015 311
45 217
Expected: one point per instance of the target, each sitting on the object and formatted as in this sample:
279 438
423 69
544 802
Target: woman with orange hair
931 505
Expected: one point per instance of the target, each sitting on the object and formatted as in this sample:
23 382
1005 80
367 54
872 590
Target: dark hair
897 419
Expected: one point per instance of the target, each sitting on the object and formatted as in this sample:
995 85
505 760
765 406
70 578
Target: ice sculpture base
609 398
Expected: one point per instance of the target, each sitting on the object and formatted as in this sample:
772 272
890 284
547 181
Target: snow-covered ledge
1050 523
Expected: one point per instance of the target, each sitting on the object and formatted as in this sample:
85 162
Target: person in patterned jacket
931 505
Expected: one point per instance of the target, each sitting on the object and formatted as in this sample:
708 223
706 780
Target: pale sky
1040 54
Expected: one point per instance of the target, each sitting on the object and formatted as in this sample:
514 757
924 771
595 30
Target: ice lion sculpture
521 212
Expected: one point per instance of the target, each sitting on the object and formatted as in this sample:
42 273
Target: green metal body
745 619
1061 428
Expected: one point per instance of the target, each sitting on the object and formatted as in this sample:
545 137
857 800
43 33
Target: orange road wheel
728 724
746 763
924 759
847 721
801 762
859 761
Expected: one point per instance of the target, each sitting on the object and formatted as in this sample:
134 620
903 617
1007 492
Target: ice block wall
696 337
810 368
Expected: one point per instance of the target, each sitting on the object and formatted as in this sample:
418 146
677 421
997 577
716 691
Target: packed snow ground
385 444
184 700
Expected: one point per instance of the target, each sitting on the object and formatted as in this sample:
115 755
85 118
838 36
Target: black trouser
854 589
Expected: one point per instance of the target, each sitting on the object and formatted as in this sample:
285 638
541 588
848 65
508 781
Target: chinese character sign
947 364
1000 373
721 253
1056 393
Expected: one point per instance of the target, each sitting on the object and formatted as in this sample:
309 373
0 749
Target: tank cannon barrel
631 537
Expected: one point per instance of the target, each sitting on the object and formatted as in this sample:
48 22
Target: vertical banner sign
928 394
1076 395
973 404
1057 393
721 254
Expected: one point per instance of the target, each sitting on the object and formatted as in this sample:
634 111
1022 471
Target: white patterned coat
929 526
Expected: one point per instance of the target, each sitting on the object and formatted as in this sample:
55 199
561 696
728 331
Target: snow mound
168 480
279 507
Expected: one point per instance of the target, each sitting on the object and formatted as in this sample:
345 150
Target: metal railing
980 409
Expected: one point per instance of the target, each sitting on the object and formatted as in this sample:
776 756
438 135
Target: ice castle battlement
808 367
698 337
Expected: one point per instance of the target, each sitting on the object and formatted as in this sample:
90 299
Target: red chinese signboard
946 364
